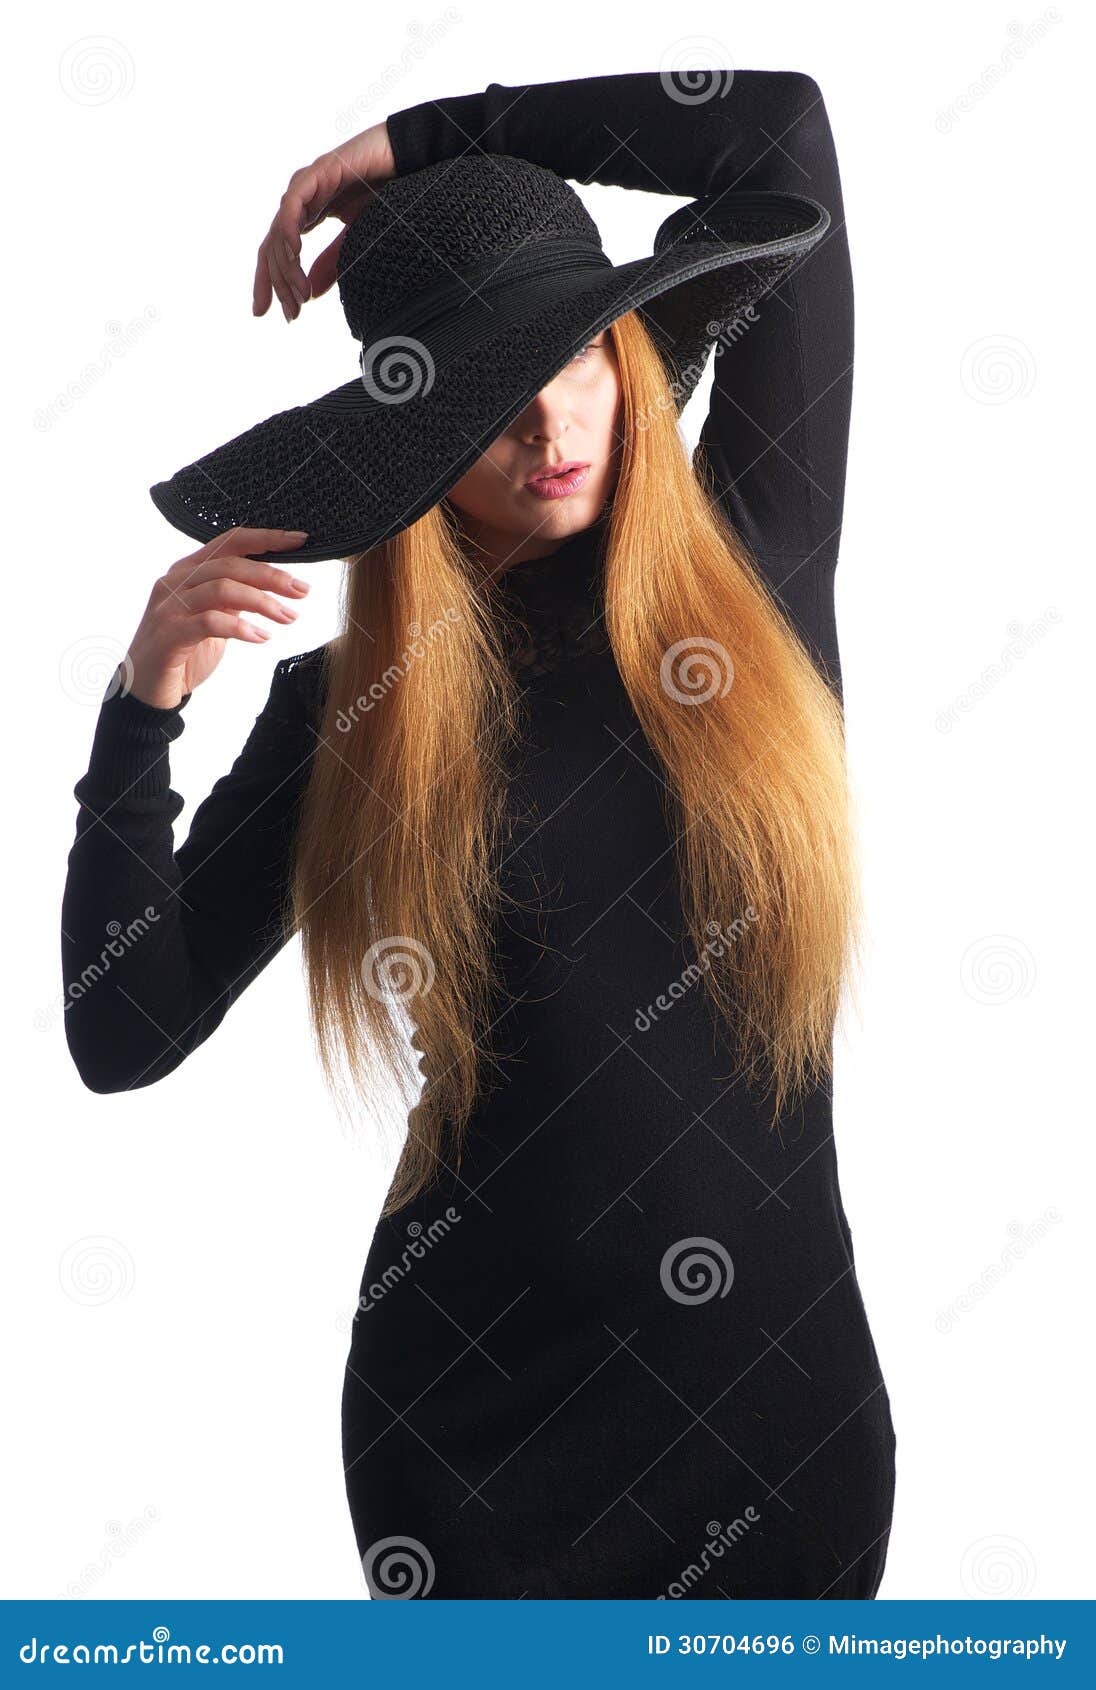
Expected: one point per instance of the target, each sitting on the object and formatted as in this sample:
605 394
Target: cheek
471 492
611 410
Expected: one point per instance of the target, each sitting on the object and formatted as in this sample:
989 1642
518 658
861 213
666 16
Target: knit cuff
129 753
437 129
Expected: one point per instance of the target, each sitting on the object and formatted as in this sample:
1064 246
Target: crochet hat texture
468 286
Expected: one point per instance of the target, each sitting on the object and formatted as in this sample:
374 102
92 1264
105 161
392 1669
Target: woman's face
575 419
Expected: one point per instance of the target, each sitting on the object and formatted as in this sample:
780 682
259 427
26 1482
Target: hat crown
425 229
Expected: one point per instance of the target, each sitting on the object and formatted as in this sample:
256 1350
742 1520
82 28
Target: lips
554 471
558 482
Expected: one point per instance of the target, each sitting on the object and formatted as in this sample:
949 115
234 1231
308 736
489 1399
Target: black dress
624 1353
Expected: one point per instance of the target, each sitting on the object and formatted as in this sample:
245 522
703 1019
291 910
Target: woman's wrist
424 134
154 698
388 160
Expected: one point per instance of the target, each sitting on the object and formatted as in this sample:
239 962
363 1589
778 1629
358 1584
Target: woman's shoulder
301 681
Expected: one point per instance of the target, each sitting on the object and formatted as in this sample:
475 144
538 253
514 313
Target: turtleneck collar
573 565
551 606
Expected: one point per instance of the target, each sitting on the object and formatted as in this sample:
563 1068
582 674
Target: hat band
460 304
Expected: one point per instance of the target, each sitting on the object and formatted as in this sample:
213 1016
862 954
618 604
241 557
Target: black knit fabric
624 1352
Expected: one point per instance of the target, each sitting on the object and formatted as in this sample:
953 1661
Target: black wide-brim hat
469 285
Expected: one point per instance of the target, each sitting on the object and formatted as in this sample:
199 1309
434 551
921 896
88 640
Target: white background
180 1260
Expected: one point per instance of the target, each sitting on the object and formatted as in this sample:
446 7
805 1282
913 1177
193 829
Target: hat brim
357 465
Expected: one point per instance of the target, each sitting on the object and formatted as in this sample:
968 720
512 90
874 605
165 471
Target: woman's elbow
105 1070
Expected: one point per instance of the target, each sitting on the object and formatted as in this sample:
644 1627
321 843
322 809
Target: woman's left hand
337 184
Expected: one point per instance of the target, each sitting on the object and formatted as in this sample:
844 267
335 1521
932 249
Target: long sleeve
774 444
157 944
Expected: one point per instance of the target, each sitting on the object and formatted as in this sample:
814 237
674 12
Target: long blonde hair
395 883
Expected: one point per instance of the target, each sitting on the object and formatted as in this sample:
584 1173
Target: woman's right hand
337 184
195 607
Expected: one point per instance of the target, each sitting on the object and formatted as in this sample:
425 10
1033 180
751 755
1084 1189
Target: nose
544 420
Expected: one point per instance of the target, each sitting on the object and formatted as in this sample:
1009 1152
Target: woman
610 1340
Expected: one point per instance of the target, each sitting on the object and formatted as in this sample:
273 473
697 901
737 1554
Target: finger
284 245
240 541
326 268
220 625
303 206
269 274
269 277
233 545
328 179
217 559
261 291
226 593
249 571
275 259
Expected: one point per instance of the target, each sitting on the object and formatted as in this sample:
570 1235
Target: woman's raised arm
775 441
